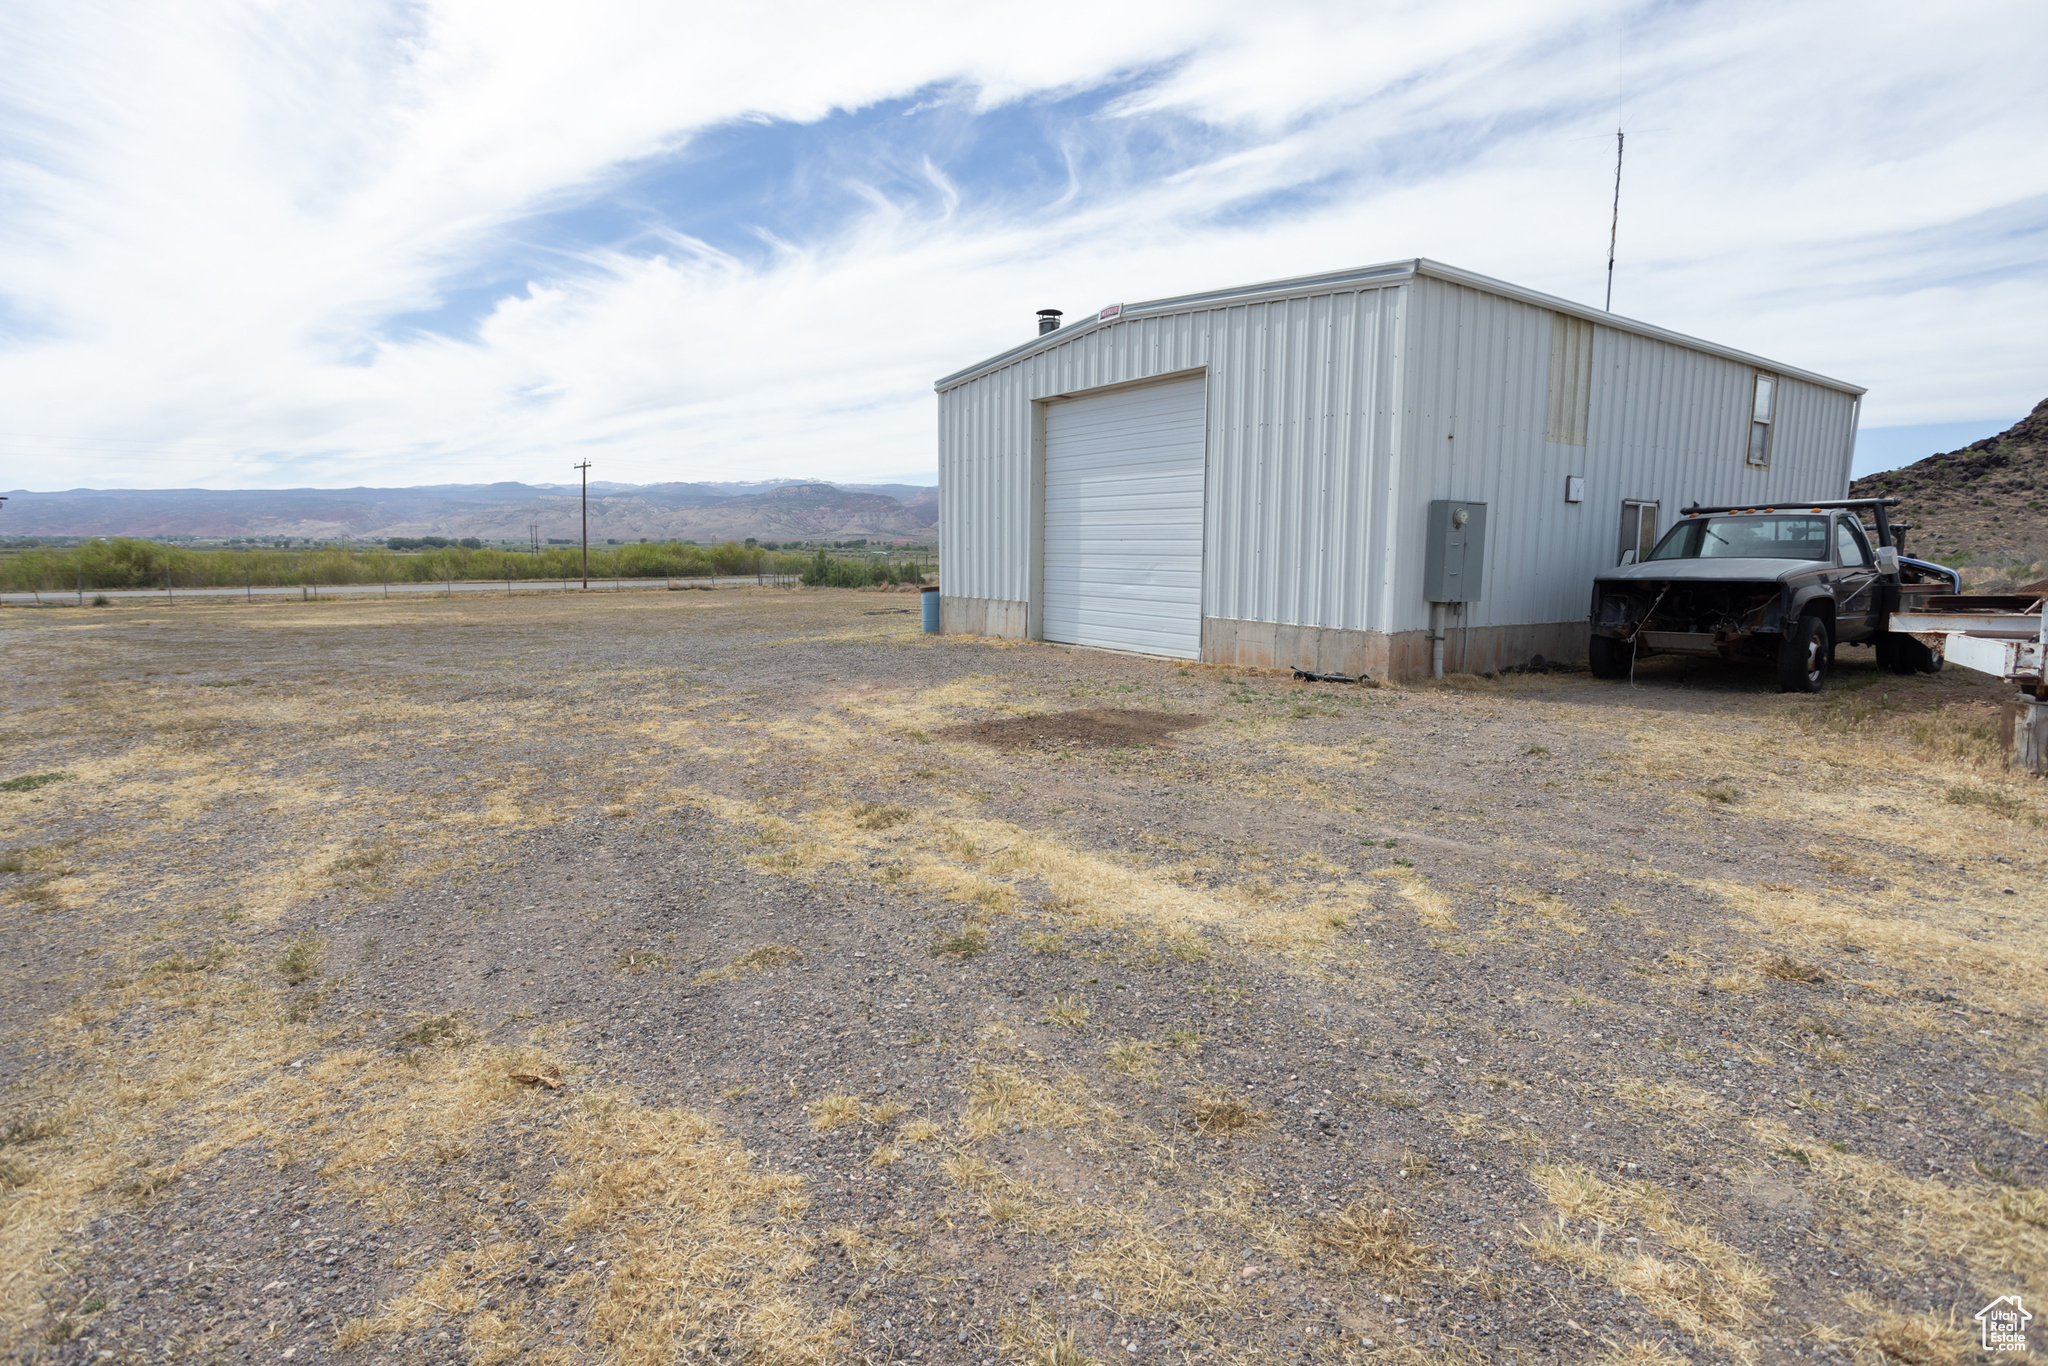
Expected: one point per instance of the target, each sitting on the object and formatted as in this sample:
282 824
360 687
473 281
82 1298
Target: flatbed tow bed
1998 635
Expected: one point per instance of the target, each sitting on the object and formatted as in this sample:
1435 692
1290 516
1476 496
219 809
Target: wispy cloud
356 243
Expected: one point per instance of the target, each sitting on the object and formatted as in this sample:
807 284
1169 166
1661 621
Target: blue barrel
930 595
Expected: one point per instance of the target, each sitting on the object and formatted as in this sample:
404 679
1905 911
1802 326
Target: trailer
2005 636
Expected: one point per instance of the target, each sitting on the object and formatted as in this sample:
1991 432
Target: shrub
121 562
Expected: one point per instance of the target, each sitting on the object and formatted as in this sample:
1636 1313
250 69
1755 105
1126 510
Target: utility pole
585 467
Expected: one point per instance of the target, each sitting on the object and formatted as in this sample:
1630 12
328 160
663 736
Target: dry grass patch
964 944
1916 1339
1218 1113
1672 1096
359 861
1311 933
35 858
835 1111
2027 1110
971 1173
1431 910
1701 1286
1372 1237
878 815
1641 1352
216 1078
1576 1192
1070 1011
1787 969
1004 1097
1143 1273
1999 1232
934 857
435 1031
301 961
1134 1058
1997 801
699 1238
753 960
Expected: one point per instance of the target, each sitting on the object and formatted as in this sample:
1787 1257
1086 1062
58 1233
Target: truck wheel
1905 655
1607 657
1803 657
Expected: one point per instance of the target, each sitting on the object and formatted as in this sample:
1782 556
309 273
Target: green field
123 563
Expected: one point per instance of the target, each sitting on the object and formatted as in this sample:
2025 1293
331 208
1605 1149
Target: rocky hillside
1987 502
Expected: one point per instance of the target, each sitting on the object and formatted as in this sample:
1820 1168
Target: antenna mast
1614 227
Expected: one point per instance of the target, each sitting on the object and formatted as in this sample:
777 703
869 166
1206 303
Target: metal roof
1391 272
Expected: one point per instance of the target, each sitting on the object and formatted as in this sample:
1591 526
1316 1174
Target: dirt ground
747 977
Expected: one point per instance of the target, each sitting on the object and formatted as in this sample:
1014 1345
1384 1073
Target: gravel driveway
747 977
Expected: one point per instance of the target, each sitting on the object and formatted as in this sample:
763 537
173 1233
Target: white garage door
1123 519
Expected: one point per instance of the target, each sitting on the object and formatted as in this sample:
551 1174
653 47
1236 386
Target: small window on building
1760 410
1638 530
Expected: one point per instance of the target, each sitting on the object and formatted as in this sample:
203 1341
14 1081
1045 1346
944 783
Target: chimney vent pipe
1048 320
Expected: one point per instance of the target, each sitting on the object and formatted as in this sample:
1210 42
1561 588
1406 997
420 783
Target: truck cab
1783 584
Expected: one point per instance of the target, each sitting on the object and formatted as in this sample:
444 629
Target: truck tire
1608 657
1904 655
1803 657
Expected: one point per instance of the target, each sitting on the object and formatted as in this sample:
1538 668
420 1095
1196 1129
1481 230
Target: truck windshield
1745 538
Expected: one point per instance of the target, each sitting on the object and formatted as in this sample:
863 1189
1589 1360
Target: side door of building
1857 601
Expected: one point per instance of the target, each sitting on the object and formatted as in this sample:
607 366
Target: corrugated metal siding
985 488
1335 416
1481 386
1300 435
1665 423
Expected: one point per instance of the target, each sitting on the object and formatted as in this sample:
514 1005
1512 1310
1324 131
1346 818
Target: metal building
1254 476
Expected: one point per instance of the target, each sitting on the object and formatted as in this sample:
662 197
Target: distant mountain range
770 510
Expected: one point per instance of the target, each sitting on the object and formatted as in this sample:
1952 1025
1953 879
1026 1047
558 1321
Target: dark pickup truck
1782 584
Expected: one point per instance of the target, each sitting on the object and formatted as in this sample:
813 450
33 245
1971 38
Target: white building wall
985 487
1336 413
1300 447
1666 423
1300 430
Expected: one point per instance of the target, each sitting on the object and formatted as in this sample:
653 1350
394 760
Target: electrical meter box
1454 559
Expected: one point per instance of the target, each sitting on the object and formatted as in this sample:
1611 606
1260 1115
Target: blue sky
357 243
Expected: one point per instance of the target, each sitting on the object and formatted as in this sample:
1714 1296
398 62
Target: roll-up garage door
1123 519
